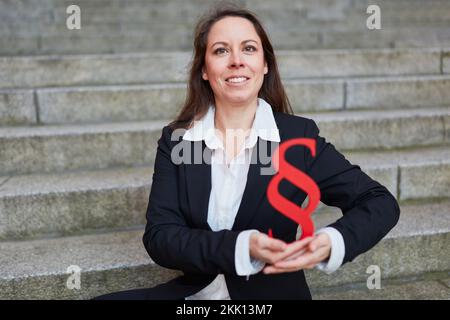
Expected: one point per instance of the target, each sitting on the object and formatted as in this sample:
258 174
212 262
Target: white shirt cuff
245 265
337 251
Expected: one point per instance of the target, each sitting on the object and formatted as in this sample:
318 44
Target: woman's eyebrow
226 43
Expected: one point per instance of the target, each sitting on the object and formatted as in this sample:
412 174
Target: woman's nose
236 60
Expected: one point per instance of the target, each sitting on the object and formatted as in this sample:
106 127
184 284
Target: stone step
417 244
56 148
175 11
162 101
426 287
28 28
100 12
118 261
154 67
50 205
72 147
108 262
283 38
422 173
351 130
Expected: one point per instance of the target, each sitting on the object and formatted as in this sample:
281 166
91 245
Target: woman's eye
252 48
219 50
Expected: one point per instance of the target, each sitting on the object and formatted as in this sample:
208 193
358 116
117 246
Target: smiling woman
208 219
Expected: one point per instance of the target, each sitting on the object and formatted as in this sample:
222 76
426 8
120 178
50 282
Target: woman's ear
204 75
266 69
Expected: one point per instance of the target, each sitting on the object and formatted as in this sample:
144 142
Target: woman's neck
234 117
239 119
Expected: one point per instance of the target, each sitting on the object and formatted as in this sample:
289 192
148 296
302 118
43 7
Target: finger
275 244
295 247
319 241
273 270
314 244
310 266
295 255
268 256
303 260
293 250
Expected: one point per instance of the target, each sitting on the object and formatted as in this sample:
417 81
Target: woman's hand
303 254
266 249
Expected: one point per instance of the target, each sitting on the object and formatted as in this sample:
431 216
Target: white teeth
236 80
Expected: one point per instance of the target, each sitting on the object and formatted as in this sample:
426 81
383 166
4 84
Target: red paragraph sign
287 171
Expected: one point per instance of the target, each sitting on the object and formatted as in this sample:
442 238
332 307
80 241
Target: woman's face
234 61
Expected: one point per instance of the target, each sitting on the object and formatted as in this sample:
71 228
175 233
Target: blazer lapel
198 182
255 188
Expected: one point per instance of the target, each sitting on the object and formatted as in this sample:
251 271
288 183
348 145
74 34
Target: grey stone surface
17 107
406 290
402 158
375 62
110 104
18 45
60 148
382 129
392 37
109 262
446 60
72 203
446 282
430 37
168 25
70 70
413 177
447 128
315 95
423 172
418 244
405 92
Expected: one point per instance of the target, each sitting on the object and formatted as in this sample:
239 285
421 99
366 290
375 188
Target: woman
209 218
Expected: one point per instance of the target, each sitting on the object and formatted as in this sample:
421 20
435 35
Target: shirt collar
264 126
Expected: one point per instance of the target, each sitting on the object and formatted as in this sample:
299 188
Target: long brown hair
200 95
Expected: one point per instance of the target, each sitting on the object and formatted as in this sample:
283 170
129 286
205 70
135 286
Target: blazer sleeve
168 239
369 210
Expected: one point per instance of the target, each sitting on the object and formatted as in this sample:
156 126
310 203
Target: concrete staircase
112 26
78 136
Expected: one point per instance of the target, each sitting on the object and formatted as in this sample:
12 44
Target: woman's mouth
237 81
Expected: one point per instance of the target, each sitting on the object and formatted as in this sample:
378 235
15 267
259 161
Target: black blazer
177 235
